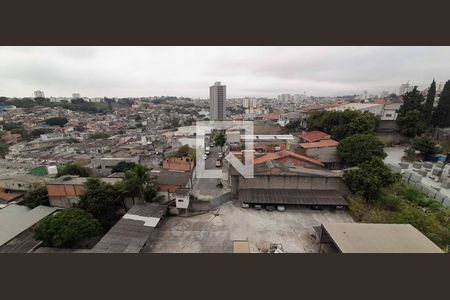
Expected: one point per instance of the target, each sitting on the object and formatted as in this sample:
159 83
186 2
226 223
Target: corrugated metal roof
379 238
15 219
129 235
291 196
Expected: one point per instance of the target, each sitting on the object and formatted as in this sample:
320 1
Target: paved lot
205 188
215 231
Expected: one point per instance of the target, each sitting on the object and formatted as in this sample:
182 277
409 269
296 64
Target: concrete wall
288 182
323 154
65 202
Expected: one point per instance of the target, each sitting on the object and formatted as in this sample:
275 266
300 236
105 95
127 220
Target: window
388 115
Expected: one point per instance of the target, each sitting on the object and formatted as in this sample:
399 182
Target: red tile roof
320 144
283 154
315 136
9 196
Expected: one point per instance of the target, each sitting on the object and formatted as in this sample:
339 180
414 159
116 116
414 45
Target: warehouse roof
291 196
379 238
15 219
131 232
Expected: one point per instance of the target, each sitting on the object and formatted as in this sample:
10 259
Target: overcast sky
189 71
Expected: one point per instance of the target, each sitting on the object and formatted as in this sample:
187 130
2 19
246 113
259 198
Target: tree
137 183
441 115
123 166
98 135
56 121
73 169
369 178
36 196
425 145
411 101
4 149
101 200
410 118
220 139
37 132
429 103
342 124
293 126
360 148
411 123
66 227
185 150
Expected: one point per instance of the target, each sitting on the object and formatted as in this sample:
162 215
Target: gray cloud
188 71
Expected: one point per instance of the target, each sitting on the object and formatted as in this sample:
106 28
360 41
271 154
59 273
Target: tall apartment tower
217 102
38 94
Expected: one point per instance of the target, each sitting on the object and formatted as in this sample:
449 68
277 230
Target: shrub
66 227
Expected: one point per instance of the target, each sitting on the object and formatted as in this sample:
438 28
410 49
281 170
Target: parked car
218 163
281 207
316 207
258 206
205 156
220 154
245 205
270 207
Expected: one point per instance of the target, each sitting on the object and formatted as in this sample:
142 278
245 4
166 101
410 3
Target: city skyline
248 71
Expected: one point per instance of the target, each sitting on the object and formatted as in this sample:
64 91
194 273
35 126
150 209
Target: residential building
313 136
217 101
178 163
405 88
65 191
324 151
39 94
76 96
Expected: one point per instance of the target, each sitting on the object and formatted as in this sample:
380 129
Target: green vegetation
39 171
35 133
425 144
66 228
72 169
411 120
220 139
4 148
137 183
56 121
402 204
441 115
17 128
102 201
369 177
185 150
429 103
342 124
360 148
36 196
98 136
123 166
74 104
411 123
72 141
293 126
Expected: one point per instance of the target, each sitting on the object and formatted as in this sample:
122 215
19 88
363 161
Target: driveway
215 231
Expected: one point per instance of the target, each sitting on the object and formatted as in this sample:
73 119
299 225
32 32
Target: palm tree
137 182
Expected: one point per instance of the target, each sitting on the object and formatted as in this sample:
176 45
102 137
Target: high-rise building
404 88
38 94
217 102
249 104
76 96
